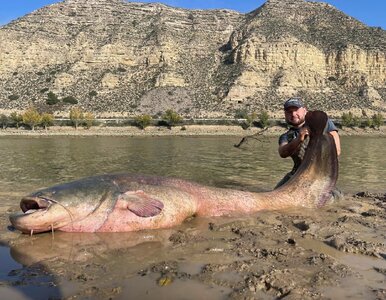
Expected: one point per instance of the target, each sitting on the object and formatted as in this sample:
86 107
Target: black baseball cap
293 102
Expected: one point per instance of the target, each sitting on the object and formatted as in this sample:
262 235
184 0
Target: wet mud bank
337 252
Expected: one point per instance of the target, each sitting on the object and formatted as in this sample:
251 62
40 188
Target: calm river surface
33 163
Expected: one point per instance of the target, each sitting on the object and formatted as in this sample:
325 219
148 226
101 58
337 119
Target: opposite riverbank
186 130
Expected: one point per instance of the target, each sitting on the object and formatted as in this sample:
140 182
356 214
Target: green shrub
13 97
4 121
92 93
44 90
76 116
249 120
356 121
241 114
171 118
70 100
47 120
377 120
347 119
31 118
16 119
89 119
142 121
52 99
264 119
366 122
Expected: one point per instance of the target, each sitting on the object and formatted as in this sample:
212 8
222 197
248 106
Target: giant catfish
122 202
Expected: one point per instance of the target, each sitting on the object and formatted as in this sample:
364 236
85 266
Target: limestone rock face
121 57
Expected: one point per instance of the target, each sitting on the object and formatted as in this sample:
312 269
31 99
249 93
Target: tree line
31 118
349 120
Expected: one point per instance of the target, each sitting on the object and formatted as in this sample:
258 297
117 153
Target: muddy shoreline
187 130
337 252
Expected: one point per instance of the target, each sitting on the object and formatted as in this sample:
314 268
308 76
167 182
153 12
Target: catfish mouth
33 217
32 204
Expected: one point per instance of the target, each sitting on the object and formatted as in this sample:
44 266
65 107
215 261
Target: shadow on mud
37 267
25 281
63 265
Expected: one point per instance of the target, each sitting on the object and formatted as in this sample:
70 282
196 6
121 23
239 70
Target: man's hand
303 133
288 149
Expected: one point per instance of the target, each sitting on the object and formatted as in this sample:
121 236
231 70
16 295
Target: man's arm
335 135
288 149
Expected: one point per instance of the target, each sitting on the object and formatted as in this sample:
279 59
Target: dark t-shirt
293 133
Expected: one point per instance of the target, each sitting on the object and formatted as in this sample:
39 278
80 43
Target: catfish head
64 205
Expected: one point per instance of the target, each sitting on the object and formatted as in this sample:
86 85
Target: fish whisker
50 201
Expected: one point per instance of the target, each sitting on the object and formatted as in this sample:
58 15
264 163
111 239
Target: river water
32 163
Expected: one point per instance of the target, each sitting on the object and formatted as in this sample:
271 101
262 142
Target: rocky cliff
118 58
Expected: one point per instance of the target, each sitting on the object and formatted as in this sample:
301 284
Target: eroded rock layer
119 57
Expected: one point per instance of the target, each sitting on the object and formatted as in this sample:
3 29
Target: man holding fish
294 142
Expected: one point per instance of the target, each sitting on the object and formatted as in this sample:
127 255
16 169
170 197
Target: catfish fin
141 204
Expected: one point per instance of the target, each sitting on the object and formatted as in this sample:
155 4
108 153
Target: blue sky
370 12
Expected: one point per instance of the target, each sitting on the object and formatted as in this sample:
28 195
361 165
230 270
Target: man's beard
296 124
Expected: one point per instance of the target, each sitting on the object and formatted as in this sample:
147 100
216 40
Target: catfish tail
317 122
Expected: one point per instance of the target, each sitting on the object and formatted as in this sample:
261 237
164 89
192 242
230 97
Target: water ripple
32 163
